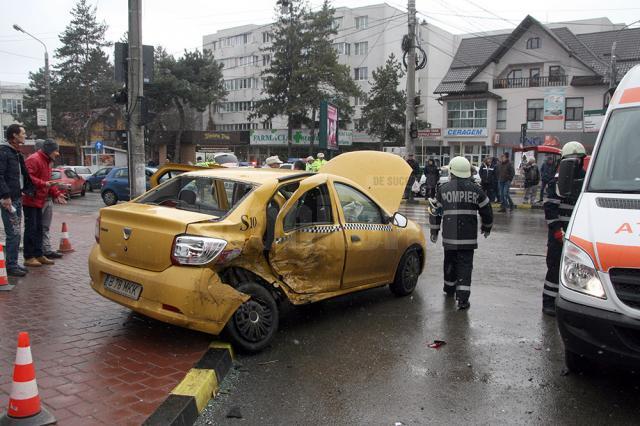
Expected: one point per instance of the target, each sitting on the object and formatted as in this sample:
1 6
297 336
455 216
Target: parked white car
82 171
444 178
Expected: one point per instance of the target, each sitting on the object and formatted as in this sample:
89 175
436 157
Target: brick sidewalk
96 362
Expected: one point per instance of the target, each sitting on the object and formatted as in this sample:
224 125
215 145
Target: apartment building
366 37
545 79
11 95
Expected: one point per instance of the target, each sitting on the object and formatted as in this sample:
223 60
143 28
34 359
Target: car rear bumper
600 335
201 300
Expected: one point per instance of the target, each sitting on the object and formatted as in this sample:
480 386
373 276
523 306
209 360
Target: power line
22 56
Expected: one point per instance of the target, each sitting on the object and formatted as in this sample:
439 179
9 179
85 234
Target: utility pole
410 126
613 69
135 144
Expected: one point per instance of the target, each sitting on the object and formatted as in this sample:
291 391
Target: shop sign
475 132
299 137
573 125
535 125
429 133
593 120
554 104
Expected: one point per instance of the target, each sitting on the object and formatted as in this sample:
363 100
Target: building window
574 109
337 23
342 48
362 22
266 37
555 73
266 60
12 106
533 43
361 73
358 101
501 120
535 108
361 48
467 114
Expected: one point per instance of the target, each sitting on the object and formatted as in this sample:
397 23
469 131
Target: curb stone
185 402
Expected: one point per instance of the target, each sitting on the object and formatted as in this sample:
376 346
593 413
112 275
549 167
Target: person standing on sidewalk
488 178
531 180
506 174
47 216
432 176
39 167
456 207
415 174
14 180
547 173
557 212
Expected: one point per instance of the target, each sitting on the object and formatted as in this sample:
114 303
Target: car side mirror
568 175
399 220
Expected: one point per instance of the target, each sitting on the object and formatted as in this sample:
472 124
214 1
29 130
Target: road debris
436 344
234 413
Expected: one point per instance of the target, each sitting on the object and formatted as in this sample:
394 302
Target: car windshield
83 170
226 159
198 193
615 167
55 174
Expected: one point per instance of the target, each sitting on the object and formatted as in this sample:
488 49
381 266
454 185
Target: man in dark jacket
432 176
506 174
547 173
488 178
14 180
456 208
415 174
531 180
39 167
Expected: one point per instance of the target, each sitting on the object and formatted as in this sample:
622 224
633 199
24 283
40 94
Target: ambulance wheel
576 363
253 325
407 274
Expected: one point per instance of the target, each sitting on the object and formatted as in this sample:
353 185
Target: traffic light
413 130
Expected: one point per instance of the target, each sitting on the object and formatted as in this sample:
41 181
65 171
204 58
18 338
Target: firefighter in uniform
456 209
557 212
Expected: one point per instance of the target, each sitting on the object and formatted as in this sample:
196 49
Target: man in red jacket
39 168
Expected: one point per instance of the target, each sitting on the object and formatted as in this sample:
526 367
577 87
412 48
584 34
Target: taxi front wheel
254 324
407 274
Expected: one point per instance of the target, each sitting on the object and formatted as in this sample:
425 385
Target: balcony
523 82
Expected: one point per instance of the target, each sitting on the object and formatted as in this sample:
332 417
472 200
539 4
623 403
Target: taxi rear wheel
254 324
407 273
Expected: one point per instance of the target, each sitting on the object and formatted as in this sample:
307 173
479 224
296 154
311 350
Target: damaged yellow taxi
218 250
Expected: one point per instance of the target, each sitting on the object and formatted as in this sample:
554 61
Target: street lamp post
46 79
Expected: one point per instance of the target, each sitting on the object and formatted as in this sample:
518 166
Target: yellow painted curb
200 384
223 345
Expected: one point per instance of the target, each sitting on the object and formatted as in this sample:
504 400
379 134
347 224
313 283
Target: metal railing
547 81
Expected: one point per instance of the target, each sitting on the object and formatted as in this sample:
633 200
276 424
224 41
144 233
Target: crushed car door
372 242
308 252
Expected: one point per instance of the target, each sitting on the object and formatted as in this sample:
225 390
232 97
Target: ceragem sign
475 132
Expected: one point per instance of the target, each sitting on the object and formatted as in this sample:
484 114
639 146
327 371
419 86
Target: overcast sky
179 25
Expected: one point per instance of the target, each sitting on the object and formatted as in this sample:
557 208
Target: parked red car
68 181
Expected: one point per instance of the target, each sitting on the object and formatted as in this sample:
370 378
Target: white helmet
460 167
573 148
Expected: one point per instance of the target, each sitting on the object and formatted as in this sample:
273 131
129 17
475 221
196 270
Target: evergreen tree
384 114
84 76
284 80
192 82
34 98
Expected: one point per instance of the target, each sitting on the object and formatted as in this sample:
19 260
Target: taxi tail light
195 250
97 230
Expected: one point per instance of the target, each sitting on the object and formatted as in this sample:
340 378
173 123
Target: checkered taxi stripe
327 229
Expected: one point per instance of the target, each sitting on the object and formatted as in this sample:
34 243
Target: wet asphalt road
364 359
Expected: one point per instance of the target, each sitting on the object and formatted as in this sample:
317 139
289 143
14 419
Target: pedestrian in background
47 216
531 181
14 181
506 174
488 178
273 162
309 163
299 165
547 173
39 167
496 187
432 176
557 212
319 162
415 174
457 204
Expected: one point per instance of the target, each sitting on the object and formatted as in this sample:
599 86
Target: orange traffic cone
24 402
4 280
65 244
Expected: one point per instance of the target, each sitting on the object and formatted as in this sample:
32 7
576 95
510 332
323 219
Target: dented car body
218 249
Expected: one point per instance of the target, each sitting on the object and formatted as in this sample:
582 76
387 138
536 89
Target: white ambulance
598 305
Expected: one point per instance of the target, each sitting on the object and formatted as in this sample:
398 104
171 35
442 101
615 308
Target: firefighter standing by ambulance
557 212
456 209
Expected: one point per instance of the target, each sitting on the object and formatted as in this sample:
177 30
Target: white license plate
122 287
